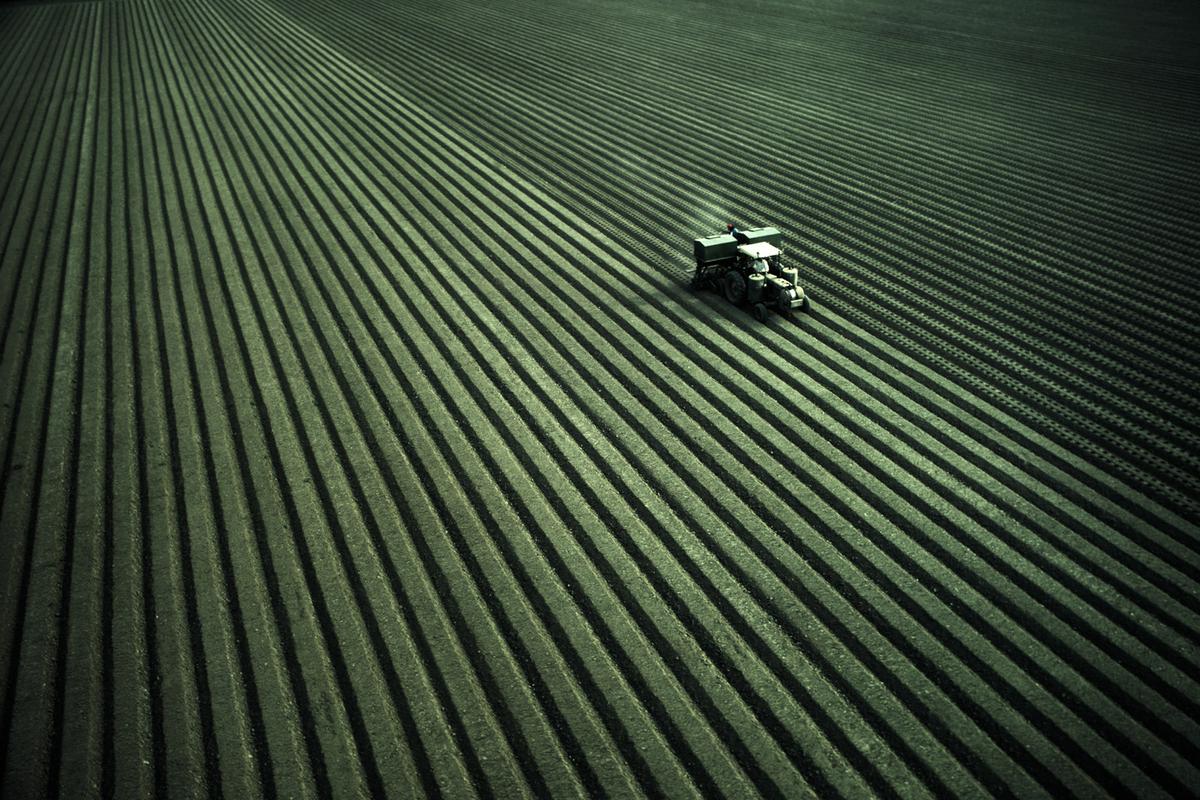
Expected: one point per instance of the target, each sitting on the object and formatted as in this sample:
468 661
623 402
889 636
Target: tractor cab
760 256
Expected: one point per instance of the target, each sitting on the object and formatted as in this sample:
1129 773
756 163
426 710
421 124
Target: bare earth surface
360 433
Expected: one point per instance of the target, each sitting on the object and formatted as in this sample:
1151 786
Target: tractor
747 266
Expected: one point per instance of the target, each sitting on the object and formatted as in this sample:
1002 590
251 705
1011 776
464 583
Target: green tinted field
361 435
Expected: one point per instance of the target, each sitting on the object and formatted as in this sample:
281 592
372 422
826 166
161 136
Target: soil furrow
31 609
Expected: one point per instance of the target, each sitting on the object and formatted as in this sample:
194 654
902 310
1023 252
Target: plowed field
361 433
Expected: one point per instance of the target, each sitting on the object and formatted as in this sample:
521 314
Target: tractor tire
783 302
806 306
735 287
760 312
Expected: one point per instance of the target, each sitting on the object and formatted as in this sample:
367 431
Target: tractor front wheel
783 301
760 312
735 287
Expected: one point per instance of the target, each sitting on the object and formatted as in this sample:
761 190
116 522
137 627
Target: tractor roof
759 250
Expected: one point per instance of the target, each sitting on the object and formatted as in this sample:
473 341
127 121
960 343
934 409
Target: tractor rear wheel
735 287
